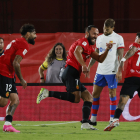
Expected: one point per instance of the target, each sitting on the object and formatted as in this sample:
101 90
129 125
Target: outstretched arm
92 61
16 65
101 58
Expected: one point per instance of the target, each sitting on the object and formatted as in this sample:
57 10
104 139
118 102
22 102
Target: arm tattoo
16 65
120 53
131 52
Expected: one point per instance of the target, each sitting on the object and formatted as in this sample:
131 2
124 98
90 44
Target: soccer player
10 64
79 51
106 71
1 46
132 79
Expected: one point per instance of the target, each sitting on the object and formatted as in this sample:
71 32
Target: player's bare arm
78 54
101 58
120 53
16 65
92 61
129 53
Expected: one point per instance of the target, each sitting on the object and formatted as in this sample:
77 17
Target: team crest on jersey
7 94
84 43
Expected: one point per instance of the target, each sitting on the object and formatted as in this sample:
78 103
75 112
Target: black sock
62 95
9 118
86 111
117 113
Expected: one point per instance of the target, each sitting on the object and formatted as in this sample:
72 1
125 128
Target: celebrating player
79 51
10 64
132 79
106 71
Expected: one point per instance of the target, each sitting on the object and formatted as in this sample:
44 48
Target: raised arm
16 65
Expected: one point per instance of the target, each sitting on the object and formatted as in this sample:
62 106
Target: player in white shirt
106 71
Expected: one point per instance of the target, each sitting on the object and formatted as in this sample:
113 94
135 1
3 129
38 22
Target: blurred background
50 16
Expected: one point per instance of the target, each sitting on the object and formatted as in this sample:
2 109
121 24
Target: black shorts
131 85
71 79
7 86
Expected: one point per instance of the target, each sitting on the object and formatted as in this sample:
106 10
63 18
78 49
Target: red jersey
87 50
18 46
133 66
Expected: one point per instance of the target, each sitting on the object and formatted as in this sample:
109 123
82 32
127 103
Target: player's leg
70 78
129 87
99 83
3 101
86 109
112 85
113 102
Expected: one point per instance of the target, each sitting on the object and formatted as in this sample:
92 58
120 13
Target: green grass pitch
51 130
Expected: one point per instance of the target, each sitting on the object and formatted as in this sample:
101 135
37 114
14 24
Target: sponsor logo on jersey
7 94
103 49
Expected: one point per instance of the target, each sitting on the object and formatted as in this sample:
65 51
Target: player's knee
15 101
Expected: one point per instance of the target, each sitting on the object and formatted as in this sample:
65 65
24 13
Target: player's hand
42 81
85 70
88 74
119 76
23 83
109 45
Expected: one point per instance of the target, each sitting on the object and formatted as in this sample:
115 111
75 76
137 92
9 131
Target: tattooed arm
120 53
129 53
16 65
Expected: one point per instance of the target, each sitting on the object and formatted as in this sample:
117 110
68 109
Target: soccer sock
113 101
117 113
8 120
62 95
86 111
94 110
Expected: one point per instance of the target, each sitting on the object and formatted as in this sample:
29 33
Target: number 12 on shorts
8 87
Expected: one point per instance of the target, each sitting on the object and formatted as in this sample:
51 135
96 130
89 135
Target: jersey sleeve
120 42
22 49
83 43
44 66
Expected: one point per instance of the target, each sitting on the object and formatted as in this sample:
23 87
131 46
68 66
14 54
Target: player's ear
87 34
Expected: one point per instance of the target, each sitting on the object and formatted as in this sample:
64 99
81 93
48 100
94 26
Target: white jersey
110 64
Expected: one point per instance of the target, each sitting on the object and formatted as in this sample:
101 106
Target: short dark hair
1 38
109 23
27 28
88 28
138 34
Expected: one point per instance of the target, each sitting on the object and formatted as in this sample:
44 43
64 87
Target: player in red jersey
79 51
132 79
10 64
